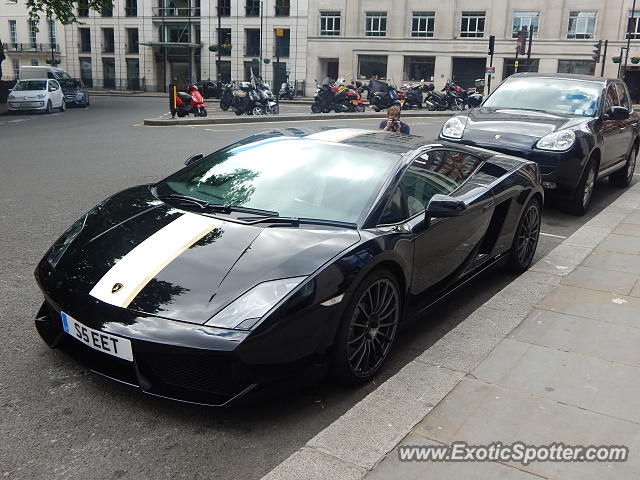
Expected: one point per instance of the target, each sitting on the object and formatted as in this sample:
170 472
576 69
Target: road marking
552 235
636 173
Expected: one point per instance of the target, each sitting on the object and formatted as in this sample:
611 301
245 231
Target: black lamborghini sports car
278 253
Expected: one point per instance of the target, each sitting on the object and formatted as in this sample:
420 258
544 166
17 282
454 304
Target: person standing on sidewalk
393 123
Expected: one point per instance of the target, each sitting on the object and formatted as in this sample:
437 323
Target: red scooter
191 102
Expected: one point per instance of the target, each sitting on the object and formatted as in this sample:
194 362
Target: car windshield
70 82
292 176
552 95
31 85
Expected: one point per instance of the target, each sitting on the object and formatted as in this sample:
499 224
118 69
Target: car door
56 93
611 131
442 247
627 126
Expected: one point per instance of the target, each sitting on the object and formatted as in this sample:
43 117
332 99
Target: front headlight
251 306
62 244
454 127
557 141
11 96
41 95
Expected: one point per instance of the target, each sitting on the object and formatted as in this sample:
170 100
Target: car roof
566 76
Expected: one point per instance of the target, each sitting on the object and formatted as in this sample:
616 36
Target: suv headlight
557 141
41 95
253 304
454 127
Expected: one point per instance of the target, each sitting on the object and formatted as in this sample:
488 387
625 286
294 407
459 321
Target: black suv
75 92
577 128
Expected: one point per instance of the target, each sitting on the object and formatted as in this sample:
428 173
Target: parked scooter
413 95
190 103
226 97
286 92
247 100
323 99
384 95
346 98
266 97
447 99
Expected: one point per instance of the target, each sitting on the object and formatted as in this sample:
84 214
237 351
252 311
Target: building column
442 70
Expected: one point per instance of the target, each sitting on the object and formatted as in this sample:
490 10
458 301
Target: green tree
63 10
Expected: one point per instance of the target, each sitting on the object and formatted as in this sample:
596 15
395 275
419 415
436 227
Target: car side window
611 99
54 85
623 96
435 172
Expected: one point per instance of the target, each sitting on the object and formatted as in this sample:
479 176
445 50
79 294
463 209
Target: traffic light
521 46
492 43
597 51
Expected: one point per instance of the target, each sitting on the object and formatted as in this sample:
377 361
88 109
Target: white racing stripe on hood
338 134
140 265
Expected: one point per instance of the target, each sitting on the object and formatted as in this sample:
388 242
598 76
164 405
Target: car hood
182 265
514 128
27 93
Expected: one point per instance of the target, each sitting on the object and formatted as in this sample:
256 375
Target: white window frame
475 16
33 32
526 18
15 64
582 33
373 24
423 18
329 17
13 31
636 31
53 31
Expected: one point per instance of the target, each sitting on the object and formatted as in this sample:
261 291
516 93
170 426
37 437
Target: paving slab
599 279
633 218
479 413
620 262
628 229
521 295
587 382
391 467
621 243
607 307
561 260
580 335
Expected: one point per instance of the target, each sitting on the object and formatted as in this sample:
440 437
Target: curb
355 443
167 122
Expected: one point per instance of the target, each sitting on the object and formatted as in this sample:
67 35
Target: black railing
32 47
176 12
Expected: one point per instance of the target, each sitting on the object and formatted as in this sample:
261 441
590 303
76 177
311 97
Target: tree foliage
63 10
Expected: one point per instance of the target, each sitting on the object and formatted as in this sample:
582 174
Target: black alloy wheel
368 328
623 177
525 241
584 192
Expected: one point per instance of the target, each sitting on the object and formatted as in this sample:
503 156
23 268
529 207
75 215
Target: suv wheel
584 192
622 178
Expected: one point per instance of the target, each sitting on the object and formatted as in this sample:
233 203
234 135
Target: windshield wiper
298 221
216 207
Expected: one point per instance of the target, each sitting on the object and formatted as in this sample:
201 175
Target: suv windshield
553 95
30 85
70 82
295 177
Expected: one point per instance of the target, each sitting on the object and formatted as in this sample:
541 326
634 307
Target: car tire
583 193
364 339
63 107
49 108
525 239
623 177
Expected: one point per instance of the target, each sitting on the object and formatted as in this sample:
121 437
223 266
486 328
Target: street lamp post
626 55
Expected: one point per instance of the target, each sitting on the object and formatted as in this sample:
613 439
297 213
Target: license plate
355 102
104 342
24 104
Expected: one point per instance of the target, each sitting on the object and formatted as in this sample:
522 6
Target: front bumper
171 359
25 105
74 99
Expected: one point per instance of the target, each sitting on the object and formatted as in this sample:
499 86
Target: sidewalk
556 359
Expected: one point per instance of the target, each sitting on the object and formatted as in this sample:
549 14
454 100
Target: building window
108 40
131 8
252 8
177 33
375 24
106 12
372 66
224 8
524 65
583 67
83 8
16 68
582 25
252 42
422 24
34 62
419 68
283 8
109 72
224 70
472 24
13 33
132 40
282 44
224 41
85 71
133 74
85 40
633 26
53 34
33 34
329 23
525 20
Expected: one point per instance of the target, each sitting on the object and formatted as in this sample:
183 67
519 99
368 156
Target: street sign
279 32
490 70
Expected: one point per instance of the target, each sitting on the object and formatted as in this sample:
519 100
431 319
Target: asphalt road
59 421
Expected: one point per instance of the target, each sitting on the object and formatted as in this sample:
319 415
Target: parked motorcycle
447 99
266 97
413 95
190 103
471 98
286 92
247 100
384 95
323 99
226 97
346 98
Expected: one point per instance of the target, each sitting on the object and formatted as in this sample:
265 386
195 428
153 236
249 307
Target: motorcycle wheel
315 108
360 108
238 112
203 112
275 110
257 110
224 106
180 114
376 108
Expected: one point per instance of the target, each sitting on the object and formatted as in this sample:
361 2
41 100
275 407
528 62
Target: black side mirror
445 206
617 113
193 158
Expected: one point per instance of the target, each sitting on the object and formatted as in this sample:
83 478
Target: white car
36 94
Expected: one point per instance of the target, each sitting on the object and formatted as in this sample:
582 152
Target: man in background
393 123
